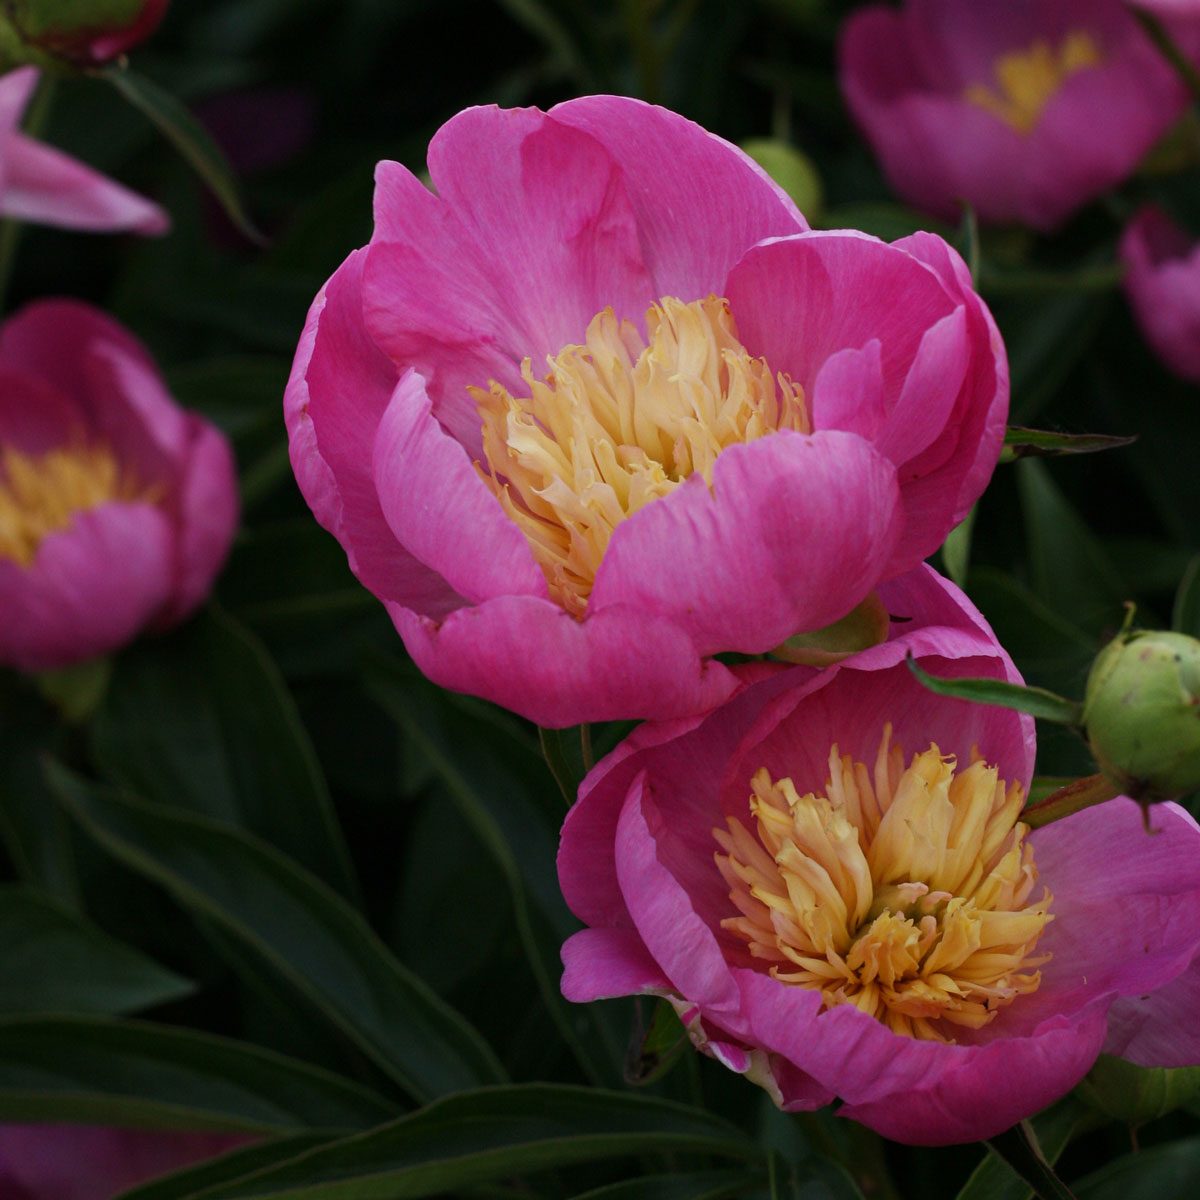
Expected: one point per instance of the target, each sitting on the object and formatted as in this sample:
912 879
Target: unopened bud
1141 713
75 33
1138 1094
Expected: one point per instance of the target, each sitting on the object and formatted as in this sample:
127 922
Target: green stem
1157 33
585 746
1076 796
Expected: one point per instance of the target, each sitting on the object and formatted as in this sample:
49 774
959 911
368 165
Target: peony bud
76 33
1141 713
1134 1094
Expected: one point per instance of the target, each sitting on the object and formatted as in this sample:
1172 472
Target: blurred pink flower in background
84 1162
744 428
1162 281
1026 109
835 917
46 187
83 34
117 507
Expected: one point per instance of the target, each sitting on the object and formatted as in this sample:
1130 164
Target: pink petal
47 187
70 604
528 655
1159 1029
848 392
440 509
339 390
15 89
602 963
723 563
698 201
34 415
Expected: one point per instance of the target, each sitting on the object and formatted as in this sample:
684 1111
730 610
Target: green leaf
56 962
793 170
496 1133
294 924
1185 616
655 1048
698 1185
1020 442
188 137
202 721
1038 702
1019 1148
228 1168
994 1179
565 755
956 550
1169 1172
1136 1094
100 1071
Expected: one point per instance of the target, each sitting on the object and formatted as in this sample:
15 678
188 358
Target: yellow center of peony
902 891
42 494
621 421
1027 80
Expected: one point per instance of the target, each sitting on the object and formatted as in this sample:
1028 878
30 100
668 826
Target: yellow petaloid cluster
903 891
619 422
41 494
1027 80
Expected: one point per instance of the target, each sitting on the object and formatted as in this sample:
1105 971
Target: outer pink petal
794 532
206 509
699 202
1159 1029
528 655
34 415
440 509
1162 282
82 1162
599 964
15 89
339 390
71 604
47 187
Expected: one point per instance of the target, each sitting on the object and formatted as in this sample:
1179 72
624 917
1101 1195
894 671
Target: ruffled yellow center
42 494
1027 80
619 422
903 891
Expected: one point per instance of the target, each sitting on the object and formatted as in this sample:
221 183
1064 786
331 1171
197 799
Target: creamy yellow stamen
621 421
1027 80
42 494
902 890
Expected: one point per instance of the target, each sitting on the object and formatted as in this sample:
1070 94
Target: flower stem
1073 798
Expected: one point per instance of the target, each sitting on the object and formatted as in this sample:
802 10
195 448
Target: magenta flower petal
70 604
736 544
527 654
1162 282
601 963
463 534
1159 1029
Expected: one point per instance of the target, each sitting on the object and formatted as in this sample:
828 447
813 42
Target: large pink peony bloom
744 428
84 1162
45 186
1162 281
117 508
1026 110
873 927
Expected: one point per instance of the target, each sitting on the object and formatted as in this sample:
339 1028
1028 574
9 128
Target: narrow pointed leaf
1020 442
1019 1148
994 1179
1038 702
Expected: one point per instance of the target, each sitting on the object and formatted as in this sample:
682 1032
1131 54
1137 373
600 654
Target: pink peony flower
88 35
827 879
1026 110
83 1162
44 186
1162 281
583 423
117 508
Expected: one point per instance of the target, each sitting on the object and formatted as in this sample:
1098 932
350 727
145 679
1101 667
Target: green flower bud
1141 713
74 33
1136 1095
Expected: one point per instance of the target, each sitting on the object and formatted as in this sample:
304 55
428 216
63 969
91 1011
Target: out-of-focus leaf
492 789
1020 442
657 1047
190 138
201 721
994 1179
886 221
1105 277
1185 617
228 1168
1019 1148
1038 702
306 933
566 752
496 1134
793 170
1170 1172
99 1071
1070 570
956 550
698 1185
56 962
1136 1094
